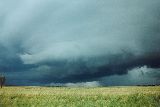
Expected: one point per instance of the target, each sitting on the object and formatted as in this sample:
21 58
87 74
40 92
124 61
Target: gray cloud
136 76
81 84
61 41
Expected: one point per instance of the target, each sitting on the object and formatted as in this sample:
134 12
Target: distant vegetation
2 80
80 97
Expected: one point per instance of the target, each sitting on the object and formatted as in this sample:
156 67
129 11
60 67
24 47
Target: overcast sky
99 42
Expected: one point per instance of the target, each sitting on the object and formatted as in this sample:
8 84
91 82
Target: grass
80 97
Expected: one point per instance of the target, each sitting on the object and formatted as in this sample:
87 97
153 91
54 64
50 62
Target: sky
80 43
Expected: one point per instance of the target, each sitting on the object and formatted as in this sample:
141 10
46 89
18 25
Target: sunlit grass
80 97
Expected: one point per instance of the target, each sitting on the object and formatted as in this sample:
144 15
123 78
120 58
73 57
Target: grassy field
80 97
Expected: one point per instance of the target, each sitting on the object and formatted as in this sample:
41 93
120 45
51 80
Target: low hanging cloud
137 76
79 84
51 41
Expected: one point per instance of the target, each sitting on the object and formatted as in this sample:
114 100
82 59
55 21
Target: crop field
80 97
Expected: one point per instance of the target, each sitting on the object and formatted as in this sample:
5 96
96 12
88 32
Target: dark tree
2 80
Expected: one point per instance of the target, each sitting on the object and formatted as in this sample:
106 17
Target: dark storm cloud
137 76
49 41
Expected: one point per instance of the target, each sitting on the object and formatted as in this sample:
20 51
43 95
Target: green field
80 97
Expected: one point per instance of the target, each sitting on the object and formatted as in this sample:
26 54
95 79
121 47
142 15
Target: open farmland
80 97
